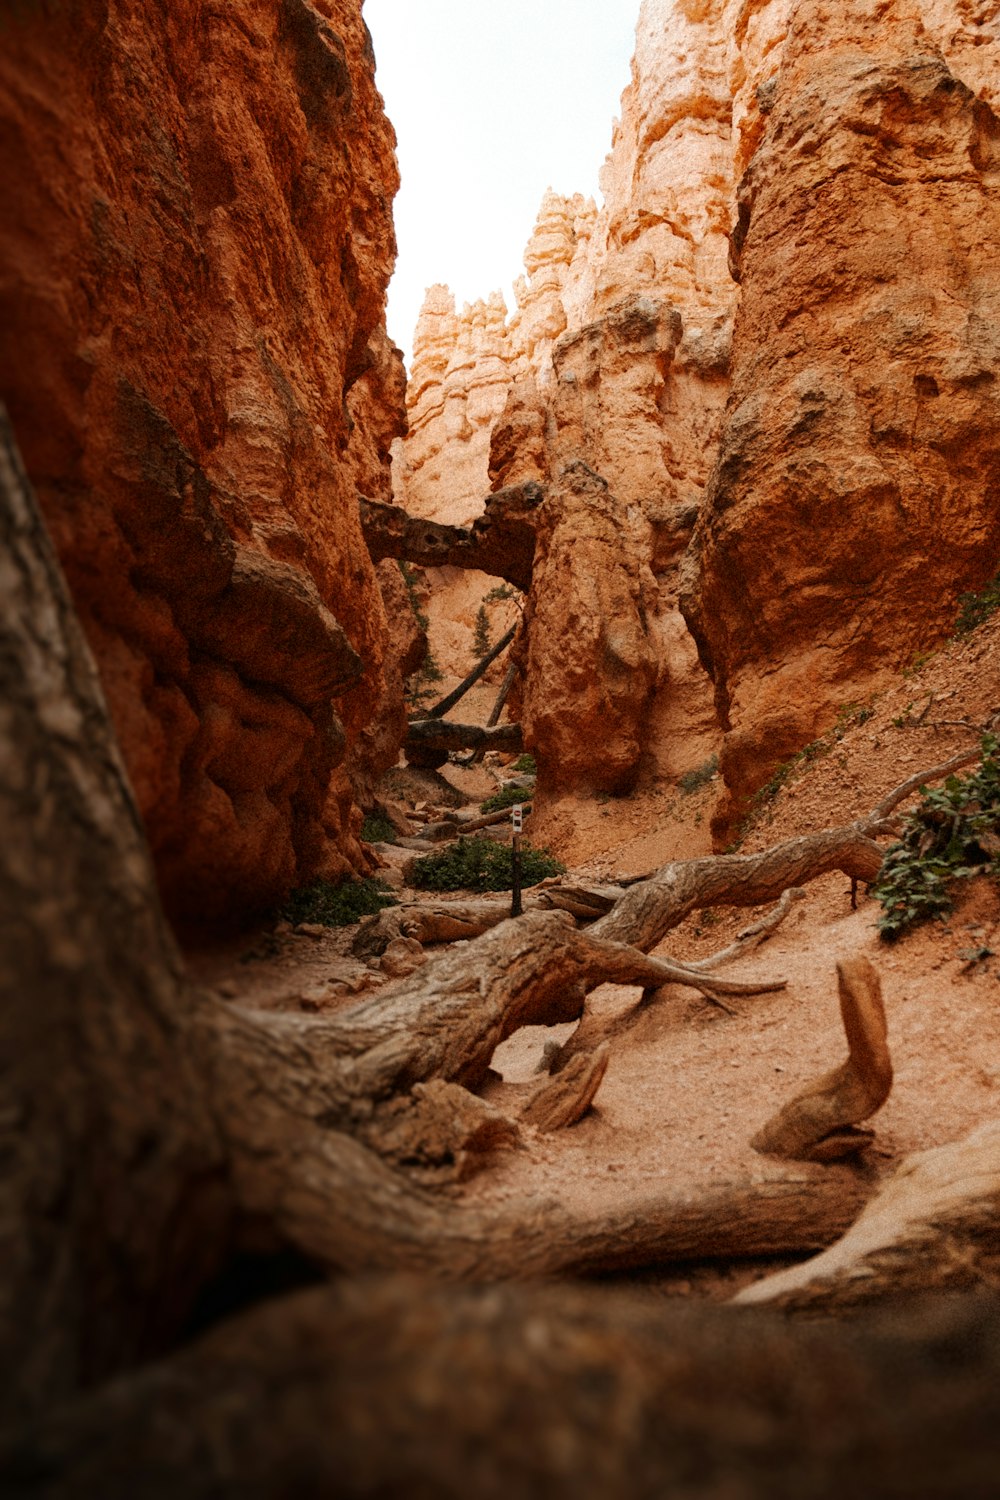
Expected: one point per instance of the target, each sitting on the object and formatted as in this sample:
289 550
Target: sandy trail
688 1084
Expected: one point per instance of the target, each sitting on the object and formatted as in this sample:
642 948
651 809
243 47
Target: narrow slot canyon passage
500 831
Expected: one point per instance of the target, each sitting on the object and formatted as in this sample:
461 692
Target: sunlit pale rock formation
827 176
194 250
616 356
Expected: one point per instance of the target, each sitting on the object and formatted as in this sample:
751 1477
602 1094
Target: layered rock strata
855 492
194 250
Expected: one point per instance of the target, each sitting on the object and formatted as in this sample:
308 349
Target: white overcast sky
493 101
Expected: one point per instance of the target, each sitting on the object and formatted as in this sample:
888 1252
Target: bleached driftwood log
931 1226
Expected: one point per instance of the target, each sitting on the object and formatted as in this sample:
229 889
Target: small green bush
507 796
692 780
376 829
954 833
332 905
482 865
481 634
974 608
525 763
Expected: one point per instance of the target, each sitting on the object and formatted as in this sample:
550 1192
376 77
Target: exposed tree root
391 1386
751 936
932 1225
647 912
820 1124
565 1098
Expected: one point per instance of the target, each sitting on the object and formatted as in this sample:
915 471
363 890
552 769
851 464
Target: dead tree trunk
113 1162
440 709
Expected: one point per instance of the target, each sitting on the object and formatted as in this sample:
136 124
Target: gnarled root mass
150 1134
396 1387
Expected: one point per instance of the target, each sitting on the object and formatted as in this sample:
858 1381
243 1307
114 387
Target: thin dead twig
750 936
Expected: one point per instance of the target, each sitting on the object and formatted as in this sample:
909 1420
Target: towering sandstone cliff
194 250
862 438
782 322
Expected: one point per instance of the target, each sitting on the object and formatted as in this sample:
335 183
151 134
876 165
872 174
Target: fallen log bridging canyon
500 542
429 742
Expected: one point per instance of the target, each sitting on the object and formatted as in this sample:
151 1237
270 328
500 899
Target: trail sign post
516 818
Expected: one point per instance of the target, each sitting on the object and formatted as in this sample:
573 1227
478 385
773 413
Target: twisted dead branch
820 1124
566 1097
751 936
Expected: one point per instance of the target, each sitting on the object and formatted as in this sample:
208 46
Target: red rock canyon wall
826 174
194 250
857 486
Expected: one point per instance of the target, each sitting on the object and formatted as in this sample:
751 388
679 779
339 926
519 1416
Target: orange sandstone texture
591 667
857 485
194 250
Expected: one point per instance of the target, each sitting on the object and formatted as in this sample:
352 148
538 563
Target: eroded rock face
591 664
615 357
856 488
194 250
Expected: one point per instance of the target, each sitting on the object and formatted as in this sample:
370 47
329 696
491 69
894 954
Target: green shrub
332 905
954 833
482 865
507 796
376 829
974 608
481 634
525 763
692 780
